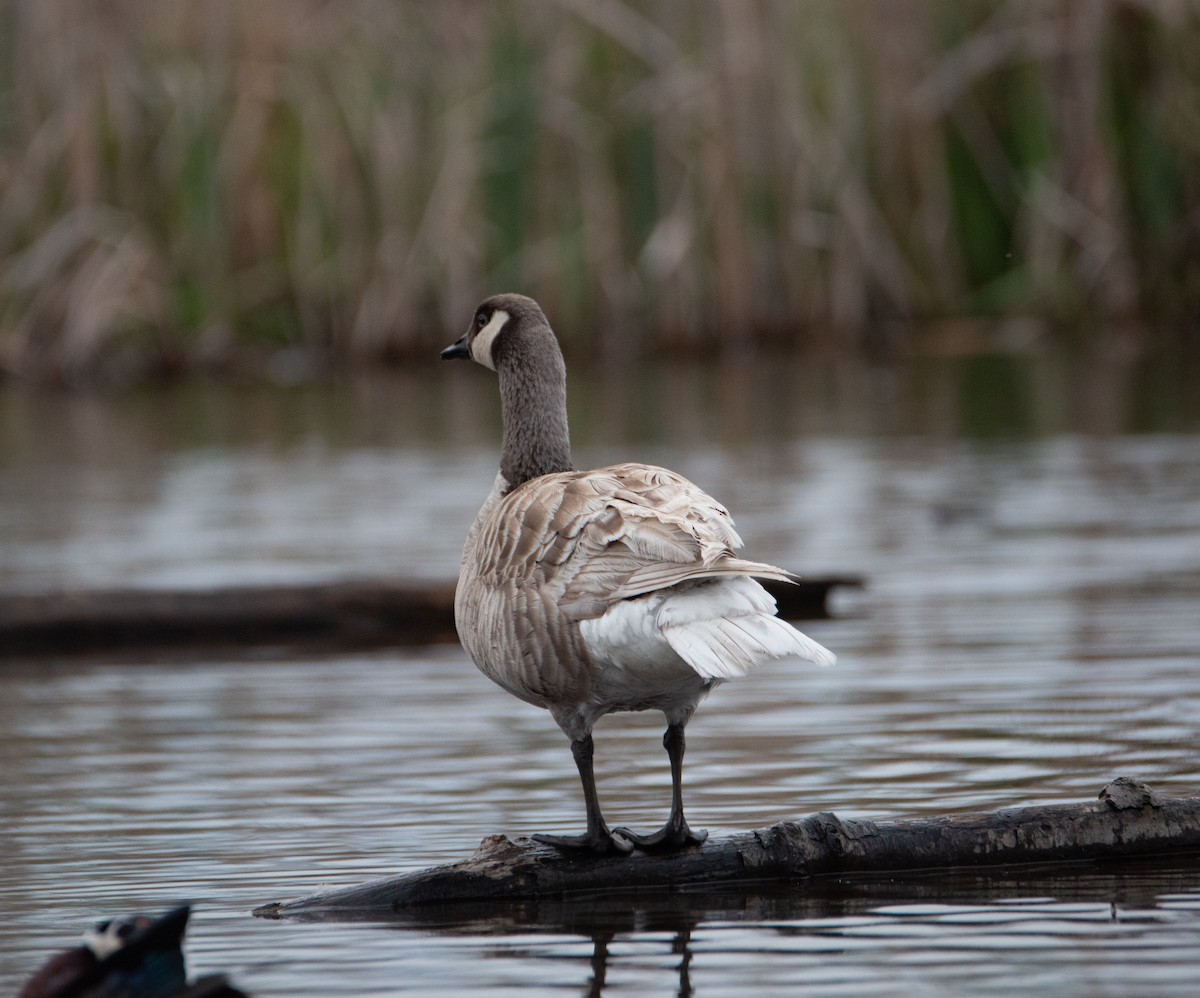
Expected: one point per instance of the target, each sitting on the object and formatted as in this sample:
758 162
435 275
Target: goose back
564 549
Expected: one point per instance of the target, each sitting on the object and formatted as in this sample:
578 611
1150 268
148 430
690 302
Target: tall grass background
184 182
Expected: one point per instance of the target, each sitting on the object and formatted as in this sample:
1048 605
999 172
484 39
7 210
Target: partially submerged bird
137 955
588 592
131 957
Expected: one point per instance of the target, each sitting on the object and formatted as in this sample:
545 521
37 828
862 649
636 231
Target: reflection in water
600 941
979 926
1030 632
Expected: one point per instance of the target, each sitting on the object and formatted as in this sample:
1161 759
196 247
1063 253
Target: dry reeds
181 180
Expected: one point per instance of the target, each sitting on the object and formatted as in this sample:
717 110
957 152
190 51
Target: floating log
355 612
358 613
1127 821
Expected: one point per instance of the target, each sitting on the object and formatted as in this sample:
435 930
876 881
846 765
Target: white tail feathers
724 630
730 647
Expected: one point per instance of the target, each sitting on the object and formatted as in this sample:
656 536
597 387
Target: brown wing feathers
592 538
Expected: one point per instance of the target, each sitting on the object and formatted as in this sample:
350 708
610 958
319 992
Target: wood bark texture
1128 820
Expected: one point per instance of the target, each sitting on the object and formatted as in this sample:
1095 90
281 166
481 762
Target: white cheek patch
104 942
481 343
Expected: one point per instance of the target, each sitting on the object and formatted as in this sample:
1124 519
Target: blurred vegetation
182 183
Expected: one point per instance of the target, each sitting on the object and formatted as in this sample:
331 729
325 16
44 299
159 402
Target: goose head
105 938
138 956
504 326
138 934
510 335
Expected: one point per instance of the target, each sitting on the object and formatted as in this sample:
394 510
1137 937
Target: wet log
1127 821
353 612
356 613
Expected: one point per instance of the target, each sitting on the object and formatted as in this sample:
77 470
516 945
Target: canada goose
587 592
135 957
120 954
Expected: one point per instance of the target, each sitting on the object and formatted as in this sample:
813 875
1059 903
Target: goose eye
480 320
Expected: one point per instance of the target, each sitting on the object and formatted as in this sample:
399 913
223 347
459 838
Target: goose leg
675 834
598 838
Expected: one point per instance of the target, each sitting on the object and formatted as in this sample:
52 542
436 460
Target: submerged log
362 612
1128 821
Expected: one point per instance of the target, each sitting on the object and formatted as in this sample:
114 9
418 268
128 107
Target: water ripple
1030 632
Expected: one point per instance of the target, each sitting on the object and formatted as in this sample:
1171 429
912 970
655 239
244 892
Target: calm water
1032 629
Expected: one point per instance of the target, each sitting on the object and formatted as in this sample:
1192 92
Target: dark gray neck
533 404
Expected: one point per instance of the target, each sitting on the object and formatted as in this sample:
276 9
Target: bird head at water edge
135 956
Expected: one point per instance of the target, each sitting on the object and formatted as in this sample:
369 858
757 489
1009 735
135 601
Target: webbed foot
606 843
670 837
